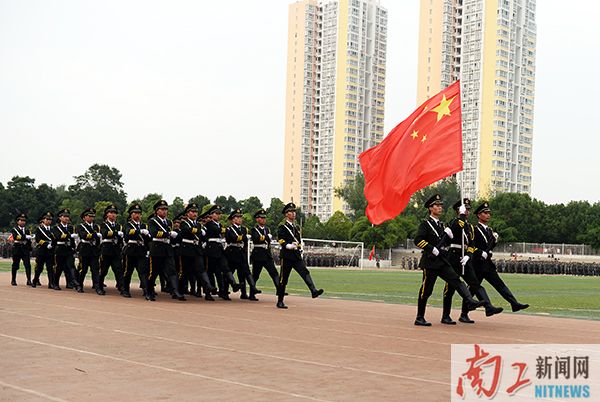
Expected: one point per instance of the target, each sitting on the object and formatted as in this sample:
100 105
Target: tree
353 194
313 228
227 204
251 205
176 207
274 215
200 200
337 226
99 183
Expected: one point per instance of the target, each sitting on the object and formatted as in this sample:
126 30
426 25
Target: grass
560 296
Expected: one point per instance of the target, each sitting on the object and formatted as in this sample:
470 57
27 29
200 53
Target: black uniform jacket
160 232
89 244
111 242
289 233
262 244
214 231
430 235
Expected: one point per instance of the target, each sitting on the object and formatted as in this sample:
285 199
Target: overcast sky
188 97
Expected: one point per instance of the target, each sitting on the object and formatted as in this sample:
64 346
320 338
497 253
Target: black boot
243 294
311 285
490 309
174 284
464 318
280 295
471 303
231 280
447 320
253 290
13 281
420 321
509 297
28 275
205 281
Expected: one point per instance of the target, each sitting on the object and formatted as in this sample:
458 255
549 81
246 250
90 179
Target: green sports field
561 296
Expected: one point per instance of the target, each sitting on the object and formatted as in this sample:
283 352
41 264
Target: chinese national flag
424 148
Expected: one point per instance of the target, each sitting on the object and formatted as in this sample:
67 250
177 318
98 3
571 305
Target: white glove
484 255
435 251
28 237
248 236
144 232
204 245
49 246
203 232
462 209
291 246
449 233
464 260
74 235
99 235
496 235
270 236
120 234
173 234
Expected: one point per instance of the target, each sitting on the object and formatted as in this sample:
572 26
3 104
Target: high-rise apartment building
334 99
490 46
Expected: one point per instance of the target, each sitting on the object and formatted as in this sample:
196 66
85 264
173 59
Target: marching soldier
204 218
262 256
44 252
236 252
21 248
111 246
176 246
461 234
485 268
64 250
89 250
161 252
290 240
192 255
217 264
432 239
135 254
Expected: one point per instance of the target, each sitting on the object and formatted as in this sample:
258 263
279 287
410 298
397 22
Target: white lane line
31 391
239 351
157 367
236 332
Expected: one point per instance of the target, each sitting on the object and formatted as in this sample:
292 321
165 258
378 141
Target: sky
187 97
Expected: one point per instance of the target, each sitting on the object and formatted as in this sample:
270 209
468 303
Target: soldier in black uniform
161 252
89 249
432 239
215 243
192 254
135 253
461 234
21 249
44 251
485 268
64 250
237 253
111 246
176 246
290 239
261 256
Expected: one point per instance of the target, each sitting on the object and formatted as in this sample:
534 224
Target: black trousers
16 262
89 262
469 277
492 277
137 263
114 262
47 261
429 277
65 263
269 265
286 269
158 265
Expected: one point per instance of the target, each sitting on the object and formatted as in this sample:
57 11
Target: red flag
372 253
424 148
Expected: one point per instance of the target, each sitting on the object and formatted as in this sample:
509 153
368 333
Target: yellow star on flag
424 138
443 109
414 134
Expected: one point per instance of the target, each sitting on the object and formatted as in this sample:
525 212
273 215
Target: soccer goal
333 253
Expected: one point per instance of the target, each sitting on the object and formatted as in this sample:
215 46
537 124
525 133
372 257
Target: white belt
138 242
109 241
20 241
240 245
86 241
188 241
217 240
261 246
61 243
458 246
161 240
